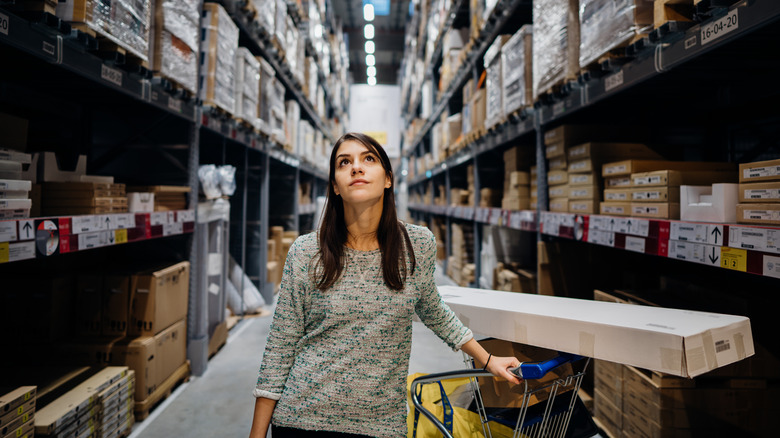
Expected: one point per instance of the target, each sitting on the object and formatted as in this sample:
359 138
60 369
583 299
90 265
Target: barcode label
722 346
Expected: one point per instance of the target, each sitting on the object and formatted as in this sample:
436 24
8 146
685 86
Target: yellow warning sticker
4 252
120 236
733 258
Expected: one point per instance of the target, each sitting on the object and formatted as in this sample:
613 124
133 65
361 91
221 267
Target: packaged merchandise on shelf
291 126
279 36
82 198
657 210
266 14
126 24
615 208
656 194
247 87
48 170
219 42
628 167
556 47
278 113
748 192
606 25
166 198
759 171
517 71
584 179
78 409
158 298
140 202
711 203
17 410
760 214
494 108
558 191
173 51
266 95
560 205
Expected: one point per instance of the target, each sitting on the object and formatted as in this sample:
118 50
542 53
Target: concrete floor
220 403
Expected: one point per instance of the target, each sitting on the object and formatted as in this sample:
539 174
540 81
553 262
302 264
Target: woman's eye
343 162
370 158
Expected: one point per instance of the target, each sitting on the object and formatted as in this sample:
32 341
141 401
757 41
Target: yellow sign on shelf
379 136
4 252
733 258
120 236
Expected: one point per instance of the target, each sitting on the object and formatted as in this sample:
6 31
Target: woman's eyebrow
348 155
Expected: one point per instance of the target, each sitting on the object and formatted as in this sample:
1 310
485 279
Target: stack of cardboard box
219 43
17 411
459 266
494 90
166 198
759 193
304 193
15 199
99 405
556 142
279 245
73 198
517 179
652 188
514 279
585 161
517 71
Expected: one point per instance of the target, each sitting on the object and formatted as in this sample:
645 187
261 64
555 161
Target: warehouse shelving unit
132 126
678 63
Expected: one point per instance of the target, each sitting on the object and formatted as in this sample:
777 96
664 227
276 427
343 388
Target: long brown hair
391 234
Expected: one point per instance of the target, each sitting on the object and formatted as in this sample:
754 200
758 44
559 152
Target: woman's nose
357 168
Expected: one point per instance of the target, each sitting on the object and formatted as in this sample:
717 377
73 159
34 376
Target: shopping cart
548 418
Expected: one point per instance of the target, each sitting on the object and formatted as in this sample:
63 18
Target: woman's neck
362 224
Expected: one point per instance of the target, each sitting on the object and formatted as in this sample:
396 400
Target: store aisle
220 403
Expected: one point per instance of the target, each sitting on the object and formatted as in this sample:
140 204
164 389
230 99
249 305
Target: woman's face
360 176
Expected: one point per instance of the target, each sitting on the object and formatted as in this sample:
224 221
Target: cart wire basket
546 419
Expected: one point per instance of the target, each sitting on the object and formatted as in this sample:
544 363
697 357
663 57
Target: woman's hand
499 367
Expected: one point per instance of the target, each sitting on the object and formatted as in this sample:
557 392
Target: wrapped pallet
266 89
517 71
174 47
219 42
292 121
280 25
126 24
606 25
278 112
492 61
247 89
266 14
556 45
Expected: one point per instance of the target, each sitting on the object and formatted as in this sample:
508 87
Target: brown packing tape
587 344
709 351
696 359
739 344
671 358
521 333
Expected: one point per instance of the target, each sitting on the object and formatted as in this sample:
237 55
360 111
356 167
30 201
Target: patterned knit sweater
338 360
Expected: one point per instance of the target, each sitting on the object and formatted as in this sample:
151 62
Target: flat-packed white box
715 203
679 342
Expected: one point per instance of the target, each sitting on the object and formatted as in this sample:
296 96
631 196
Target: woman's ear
335 189
388 182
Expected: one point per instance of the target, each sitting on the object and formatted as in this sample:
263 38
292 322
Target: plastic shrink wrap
265 95
609 24
556 45
174 47
218 50
247 85
517 70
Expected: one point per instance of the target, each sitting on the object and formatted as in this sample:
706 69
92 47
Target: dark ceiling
389 39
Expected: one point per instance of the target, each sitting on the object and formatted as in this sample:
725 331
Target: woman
337 356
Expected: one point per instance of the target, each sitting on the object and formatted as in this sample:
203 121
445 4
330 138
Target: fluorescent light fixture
368 31
371 71
318 31
372 80
370 60
368 12
370 47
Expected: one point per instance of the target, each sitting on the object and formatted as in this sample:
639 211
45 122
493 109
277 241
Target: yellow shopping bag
465 424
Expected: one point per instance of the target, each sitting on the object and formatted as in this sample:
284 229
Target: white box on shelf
679 342
140 202
715 203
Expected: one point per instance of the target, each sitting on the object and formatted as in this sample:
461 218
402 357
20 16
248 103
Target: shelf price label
4 252
4 25
712 31
120 236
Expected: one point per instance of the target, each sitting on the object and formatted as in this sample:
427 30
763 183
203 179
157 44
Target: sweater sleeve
431 309
287 327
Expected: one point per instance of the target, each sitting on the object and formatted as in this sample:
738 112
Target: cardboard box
606 410
759 192
659 210
560 205
655 194
763 214
557 177
585 192
478 109
555 150
140 355
679 342
618 182
675 178
515 204
500 393
759 171
140 202
518 159
116 305
10 400
274 270
517 178
602 151
618 195
159 298
615 208
586 206
89 305
561 191
558 163
584 179
171 347
627 167
713 203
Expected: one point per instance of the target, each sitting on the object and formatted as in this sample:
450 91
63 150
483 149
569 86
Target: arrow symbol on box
716 232
27 227
713 257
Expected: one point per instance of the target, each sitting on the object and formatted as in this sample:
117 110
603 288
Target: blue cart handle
540 369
